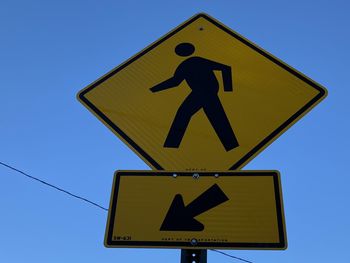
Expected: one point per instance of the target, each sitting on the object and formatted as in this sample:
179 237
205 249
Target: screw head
174 175
194 242
216 175
195 176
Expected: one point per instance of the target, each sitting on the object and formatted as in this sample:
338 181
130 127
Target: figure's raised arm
226 74
169 83
227 77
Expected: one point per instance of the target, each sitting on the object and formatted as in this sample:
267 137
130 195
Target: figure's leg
183 116
218 119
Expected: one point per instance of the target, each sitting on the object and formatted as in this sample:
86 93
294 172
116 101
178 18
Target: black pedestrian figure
199 75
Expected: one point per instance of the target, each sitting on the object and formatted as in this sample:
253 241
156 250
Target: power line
53 186
91 202
228 255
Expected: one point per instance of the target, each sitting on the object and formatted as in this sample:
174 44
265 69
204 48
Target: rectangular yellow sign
236 209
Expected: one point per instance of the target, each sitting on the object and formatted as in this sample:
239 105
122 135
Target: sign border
109 243
252 153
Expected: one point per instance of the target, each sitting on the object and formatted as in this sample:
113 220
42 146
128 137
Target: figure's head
184 49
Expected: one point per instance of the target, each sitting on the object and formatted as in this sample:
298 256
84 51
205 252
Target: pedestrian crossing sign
202 97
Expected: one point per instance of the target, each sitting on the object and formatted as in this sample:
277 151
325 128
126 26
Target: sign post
193 255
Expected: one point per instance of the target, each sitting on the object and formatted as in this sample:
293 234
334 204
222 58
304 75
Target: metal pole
193 256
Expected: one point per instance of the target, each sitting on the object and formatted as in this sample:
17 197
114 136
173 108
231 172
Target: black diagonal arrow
181 217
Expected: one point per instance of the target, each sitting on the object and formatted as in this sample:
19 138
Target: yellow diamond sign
201 98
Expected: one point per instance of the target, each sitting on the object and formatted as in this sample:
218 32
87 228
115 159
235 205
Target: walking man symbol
199 75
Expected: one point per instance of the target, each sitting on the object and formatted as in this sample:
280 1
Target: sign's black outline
258 147
279 210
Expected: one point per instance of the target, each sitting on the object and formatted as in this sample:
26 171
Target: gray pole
193 256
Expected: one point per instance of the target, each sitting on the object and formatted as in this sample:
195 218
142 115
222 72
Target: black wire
92 203
228 255
55 187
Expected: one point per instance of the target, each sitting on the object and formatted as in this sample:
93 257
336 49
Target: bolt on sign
236 209
202 97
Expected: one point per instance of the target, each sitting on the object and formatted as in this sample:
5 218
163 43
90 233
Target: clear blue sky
49 50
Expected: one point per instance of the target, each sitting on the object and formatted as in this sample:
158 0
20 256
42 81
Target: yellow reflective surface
250 215
266 99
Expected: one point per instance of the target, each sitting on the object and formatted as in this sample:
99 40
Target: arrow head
179 218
